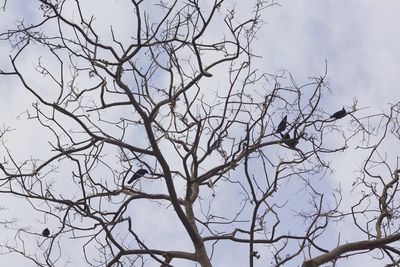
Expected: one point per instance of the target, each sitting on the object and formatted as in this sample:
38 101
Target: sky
358 39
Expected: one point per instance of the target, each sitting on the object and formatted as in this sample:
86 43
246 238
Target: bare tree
174 104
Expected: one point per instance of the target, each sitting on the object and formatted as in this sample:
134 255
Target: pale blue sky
358 39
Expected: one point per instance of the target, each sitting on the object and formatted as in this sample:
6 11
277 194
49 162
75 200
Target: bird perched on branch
282 125
285 136
137 175
339 114
288 141
46 232
292 143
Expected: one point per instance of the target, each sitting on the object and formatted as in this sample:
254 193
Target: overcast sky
358 39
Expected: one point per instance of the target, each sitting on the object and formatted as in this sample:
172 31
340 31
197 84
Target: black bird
46 232
282 125
137 175
292 143
285 136
339 114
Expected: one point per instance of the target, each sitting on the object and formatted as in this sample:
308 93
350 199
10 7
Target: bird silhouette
282 125
137 175
292 143
339 114
46 232
285 136
288 141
